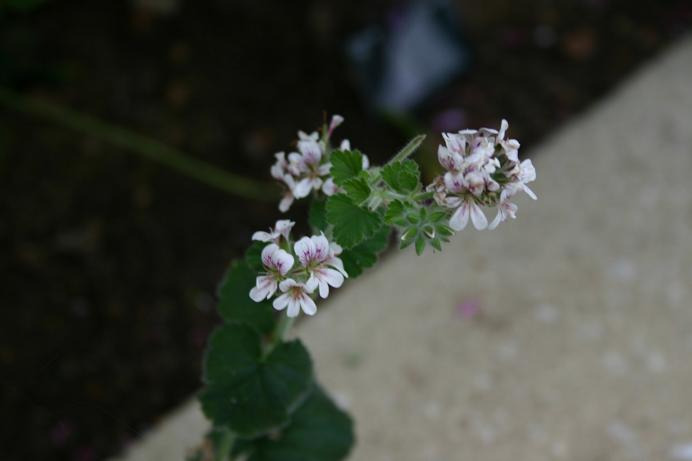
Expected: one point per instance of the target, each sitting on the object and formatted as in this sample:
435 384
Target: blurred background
110 258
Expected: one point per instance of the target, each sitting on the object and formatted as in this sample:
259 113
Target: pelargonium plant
260 391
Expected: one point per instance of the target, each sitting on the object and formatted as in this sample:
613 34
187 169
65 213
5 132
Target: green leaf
345 165
396 213
235 304
357 188
352 224
253 257
420 244
250 393
317 215
319 431
365 254
402 176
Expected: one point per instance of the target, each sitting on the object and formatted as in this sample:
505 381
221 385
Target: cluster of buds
482 170
296 285
307 170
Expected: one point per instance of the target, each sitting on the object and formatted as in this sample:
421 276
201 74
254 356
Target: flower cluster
482 170
319 268
308 169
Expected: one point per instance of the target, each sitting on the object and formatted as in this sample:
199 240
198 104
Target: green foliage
364 255
317 215
357 188
420 227
352 224
235 304
248 392
318 431
345 165
403 177
253 256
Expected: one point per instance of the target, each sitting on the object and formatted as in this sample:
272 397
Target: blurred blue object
402 62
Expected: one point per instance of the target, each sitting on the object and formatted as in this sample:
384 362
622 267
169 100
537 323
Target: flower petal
460 217
262 236
293 307
479 220
308 305
281 302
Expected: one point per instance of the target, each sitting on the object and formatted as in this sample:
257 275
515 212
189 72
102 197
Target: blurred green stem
147 147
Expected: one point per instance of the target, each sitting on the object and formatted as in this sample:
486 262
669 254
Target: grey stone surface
581 348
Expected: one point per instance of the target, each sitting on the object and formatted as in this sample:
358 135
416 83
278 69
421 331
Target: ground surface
578 344
109 262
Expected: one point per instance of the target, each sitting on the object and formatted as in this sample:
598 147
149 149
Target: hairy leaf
235 304
318 431
352 224
364 255
402 176
250 393
345 165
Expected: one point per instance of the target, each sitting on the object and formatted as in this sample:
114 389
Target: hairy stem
225 444
408 149
142 145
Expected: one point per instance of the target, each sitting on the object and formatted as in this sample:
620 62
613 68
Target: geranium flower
282 228
319 259
296 297
277 263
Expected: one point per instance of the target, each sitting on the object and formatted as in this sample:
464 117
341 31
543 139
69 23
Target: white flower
281 229
468 208
296 297
277 262
330 188
336 121
505 210
325 269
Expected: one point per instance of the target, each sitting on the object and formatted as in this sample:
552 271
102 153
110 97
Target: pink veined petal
321 247
293 307
345 145
478 218
265 287
308 305
331 276
305 250
283 261
460 217
268 255
281 302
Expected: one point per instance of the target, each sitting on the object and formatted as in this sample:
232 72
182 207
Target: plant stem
408 149
225 444
142 145
283 325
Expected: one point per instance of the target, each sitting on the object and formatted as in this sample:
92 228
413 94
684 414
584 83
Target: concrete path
581 348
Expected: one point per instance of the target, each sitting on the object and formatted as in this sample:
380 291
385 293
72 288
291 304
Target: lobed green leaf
318 431
235 304
403 176
352 224
247 392
345 165
364 255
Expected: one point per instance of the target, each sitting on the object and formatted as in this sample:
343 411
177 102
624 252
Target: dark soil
109 261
